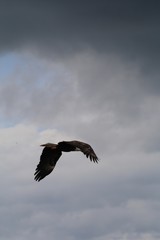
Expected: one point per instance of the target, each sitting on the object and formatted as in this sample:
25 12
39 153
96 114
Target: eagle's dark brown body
52 152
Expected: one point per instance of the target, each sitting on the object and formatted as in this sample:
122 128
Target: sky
84 70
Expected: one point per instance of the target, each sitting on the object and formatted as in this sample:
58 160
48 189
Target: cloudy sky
85 70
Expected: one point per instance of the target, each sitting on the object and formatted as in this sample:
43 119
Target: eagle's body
52 152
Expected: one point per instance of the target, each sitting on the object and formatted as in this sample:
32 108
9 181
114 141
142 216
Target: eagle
52 152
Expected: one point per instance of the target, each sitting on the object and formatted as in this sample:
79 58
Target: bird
52 152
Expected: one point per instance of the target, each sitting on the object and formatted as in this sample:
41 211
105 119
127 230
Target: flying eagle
52 152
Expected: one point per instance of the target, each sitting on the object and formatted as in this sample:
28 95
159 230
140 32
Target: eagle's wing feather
86 149
47 162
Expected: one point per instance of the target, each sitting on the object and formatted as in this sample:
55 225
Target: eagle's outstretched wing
48 160
85 148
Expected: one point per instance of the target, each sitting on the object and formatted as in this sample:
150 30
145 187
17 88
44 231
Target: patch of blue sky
43 72
6 123
8 63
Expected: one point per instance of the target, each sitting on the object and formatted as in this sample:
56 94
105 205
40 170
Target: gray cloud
88 88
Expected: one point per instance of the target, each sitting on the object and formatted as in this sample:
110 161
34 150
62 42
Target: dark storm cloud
130 28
